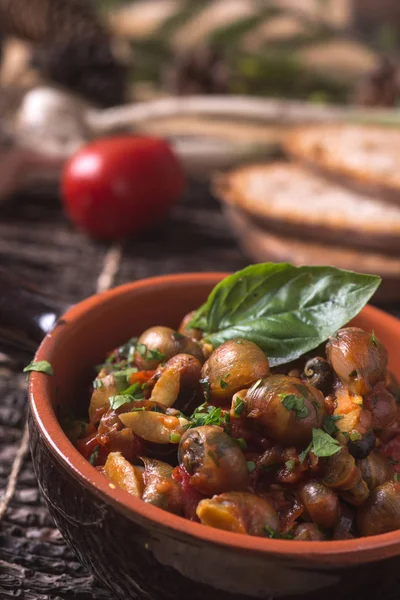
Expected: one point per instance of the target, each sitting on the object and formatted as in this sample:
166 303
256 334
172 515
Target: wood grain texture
37 242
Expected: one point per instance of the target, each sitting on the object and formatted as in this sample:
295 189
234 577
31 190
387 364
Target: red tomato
121 185
140 377
190 496
90 448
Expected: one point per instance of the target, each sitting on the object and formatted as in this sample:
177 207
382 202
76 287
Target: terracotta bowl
141 551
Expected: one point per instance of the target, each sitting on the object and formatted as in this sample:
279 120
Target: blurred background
274 128
320 50
224 81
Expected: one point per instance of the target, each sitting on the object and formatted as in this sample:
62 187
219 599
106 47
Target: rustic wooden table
37 242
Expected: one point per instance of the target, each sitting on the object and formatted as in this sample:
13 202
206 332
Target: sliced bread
261 245
366 158
293 200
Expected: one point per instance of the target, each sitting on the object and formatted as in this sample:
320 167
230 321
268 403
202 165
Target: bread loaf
365 158
290 199
261 245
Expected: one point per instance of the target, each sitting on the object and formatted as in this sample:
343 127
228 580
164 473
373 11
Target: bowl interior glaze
97 325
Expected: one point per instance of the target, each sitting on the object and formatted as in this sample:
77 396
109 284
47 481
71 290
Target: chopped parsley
175 438
273 534
121 357
213 457
177 336
118 401
323 445
94 455
131 394
122 377
141 349
148 353
207 415
238 407
223 384
373 338
303 455
290 465
97 384
355 435
329 423
293 402
39 366
127 350
241 442
205 384
155 355
251 466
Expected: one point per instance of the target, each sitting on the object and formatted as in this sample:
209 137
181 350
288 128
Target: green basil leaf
323 444
285 310
40 366
199 320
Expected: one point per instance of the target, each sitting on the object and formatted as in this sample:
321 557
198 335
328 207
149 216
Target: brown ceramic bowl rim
354 551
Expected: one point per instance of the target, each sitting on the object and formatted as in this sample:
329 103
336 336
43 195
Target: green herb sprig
94 455
285 310
207 415
329 423
322 445
40 366
273 534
